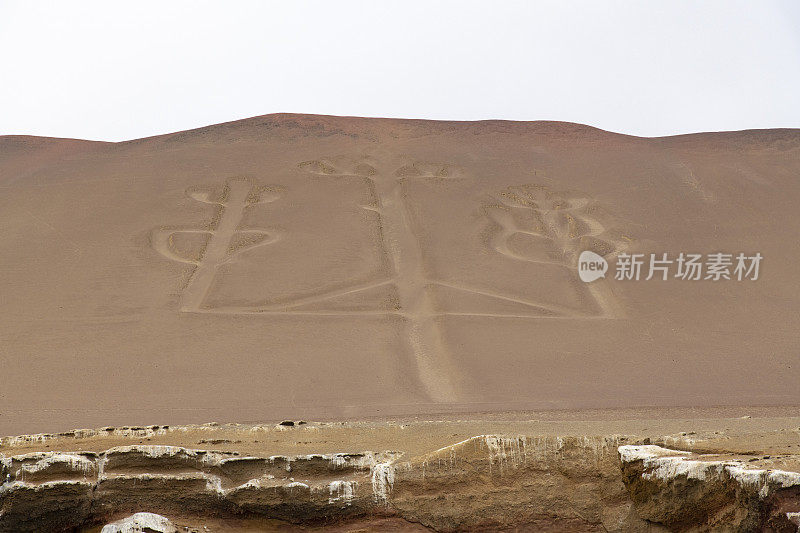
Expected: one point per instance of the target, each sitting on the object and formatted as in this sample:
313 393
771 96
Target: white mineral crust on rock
140 522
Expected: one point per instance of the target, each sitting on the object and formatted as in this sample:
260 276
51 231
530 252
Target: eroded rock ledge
687 491
485 482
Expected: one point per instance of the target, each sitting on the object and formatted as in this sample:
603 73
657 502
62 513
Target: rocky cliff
487 482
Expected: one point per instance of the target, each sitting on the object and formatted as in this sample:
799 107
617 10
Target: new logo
591 266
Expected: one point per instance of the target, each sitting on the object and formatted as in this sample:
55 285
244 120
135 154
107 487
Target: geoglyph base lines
559 225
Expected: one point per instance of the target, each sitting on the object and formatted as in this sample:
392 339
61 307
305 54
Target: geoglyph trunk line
431 356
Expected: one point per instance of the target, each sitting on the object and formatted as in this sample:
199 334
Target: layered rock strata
486 482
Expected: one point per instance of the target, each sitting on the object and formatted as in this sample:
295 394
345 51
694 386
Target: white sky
126 69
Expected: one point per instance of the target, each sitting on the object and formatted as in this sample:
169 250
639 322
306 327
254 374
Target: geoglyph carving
558 225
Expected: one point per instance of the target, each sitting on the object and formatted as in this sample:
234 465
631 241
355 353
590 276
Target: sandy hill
312 266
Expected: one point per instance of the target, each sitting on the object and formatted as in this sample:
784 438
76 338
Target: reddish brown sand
291 266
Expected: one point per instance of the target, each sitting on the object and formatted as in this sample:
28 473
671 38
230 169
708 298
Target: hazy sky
127 69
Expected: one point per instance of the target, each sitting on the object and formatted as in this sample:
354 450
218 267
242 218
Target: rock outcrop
61 491
702 492
486 482
496 482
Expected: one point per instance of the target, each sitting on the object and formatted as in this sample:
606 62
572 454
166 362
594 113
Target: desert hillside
297 266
